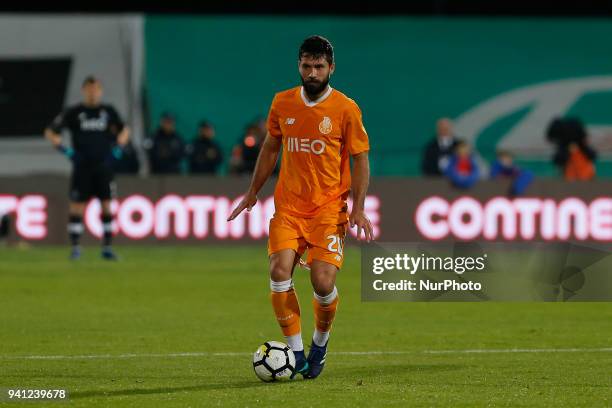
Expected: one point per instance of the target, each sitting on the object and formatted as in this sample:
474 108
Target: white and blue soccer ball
274 361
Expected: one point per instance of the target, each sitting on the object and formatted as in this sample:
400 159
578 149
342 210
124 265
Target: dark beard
313 89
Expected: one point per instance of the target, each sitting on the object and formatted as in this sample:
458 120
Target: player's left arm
360 182
123 135
357 142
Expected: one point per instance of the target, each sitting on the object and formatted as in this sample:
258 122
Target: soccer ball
274 361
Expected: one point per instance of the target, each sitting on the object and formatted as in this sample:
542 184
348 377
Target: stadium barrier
195 209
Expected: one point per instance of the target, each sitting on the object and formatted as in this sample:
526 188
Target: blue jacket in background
521 178
462 180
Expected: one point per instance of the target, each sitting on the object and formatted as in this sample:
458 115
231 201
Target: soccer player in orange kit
319 129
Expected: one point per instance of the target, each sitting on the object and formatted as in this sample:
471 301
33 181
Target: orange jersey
318 138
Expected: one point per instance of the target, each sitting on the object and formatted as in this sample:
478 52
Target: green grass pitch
121 334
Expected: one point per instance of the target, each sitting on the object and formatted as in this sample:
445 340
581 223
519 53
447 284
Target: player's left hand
362 222
123 137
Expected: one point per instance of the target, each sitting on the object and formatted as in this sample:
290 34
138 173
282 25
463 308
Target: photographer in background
204 153
165 148
245 152
574 157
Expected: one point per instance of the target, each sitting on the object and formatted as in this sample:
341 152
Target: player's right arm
54 138
53 134
266 162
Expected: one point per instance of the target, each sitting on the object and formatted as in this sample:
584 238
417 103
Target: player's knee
279 272
323 288
323 284
323 278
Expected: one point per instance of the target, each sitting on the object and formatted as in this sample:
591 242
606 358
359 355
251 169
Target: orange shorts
322 235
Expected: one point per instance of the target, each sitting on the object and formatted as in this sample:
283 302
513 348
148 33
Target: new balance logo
290 121
305 145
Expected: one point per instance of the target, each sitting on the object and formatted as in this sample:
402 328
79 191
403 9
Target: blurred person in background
166 149
462 169
573 155
245 152
262 123
438 151
98 135
505 168
204 153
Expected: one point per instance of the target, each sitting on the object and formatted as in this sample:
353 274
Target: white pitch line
120 356
341 353
516 350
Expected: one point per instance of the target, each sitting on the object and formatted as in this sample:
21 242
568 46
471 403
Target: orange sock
324 314
287 311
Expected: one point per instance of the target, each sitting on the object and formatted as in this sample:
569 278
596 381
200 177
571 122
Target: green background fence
403 72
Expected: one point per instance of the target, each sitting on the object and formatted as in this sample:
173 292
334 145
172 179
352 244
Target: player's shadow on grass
392 370
169 390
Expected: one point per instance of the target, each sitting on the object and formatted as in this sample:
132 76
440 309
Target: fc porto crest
325 126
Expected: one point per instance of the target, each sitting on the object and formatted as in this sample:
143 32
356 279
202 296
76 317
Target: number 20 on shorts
335 244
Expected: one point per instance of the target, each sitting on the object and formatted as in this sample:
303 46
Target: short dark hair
168 116
205 124
90 79
316 47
